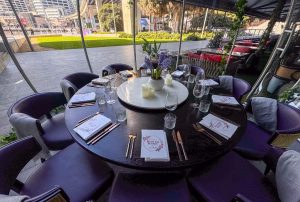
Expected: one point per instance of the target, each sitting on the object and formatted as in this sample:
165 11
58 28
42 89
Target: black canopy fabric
258 8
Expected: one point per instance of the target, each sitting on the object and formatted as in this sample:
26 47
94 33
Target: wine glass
171 101
186 73
198 92
200 76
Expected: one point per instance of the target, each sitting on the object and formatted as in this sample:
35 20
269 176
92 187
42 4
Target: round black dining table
199 148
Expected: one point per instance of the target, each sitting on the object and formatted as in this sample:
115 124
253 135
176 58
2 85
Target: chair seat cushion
254 142
149 187
81 175
56 135
228 176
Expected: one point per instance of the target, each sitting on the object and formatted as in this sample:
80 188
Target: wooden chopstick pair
81 104
85 119
103 133
178 141
207 134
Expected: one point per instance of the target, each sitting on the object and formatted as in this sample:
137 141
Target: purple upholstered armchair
240 87
71 83
149 187
81 175
231 178
196 69
31 116
255 142
115 68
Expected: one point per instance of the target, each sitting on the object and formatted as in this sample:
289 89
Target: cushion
226 82
254 142
265 112
56 134
288 176
7 198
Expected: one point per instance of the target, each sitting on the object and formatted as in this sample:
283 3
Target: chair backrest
196 69
240 88
68 88
80 79
117 67
288 118
38 104
13 158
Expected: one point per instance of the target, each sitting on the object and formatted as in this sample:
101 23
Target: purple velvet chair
71 83
115 68
149 187
255 142
240 87
31 116
196 69
231 177
80 174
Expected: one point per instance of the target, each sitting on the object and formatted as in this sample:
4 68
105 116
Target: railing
39 31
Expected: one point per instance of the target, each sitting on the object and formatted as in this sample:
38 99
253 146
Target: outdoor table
199 148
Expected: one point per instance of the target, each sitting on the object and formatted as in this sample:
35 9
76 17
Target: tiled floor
46 69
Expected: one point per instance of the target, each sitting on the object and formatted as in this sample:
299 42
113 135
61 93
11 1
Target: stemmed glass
186 73
198 92
200 76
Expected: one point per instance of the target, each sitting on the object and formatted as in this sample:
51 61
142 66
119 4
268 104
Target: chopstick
207 134
85 119
81 104
103 133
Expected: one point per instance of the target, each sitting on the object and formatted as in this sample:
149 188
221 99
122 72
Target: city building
20 6
53 7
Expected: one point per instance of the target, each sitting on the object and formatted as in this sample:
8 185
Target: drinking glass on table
186 73
110 92
200 76
198 92
120 114
204 105
171 103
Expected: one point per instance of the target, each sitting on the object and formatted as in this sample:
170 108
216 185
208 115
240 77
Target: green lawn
72 42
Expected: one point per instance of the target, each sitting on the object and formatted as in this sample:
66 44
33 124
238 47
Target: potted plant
156 62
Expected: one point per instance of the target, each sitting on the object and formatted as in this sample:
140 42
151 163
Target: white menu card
219 126
92 126
83 97
154 145
228 100
209 82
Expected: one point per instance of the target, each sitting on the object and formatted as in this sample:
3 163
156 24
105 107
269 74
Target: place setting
82 100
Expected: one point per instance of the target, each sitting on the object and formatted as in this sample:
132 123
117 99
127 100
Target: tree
275 15
107 19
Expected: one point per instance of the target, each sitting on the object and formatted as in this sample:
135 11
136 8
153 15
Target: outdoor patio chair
240 87
31 116
254 144
231 177
149 187
81 175
71 83
115 68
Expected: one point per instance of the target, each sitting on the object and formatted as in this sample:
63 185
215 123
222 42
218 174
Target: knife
177 146
181 144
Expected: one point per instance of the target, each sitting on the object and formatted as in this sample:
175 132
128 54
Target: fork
128 145
207 134
132 145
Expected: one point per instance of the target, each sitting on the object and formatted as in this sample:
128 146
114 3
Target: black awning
258 8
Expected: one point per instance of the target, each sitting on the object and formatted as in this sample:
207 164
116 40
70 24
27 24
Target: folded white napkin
209 82
228 100
219 126
92 126
83 97
126 73
154 146
177 73
100 81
